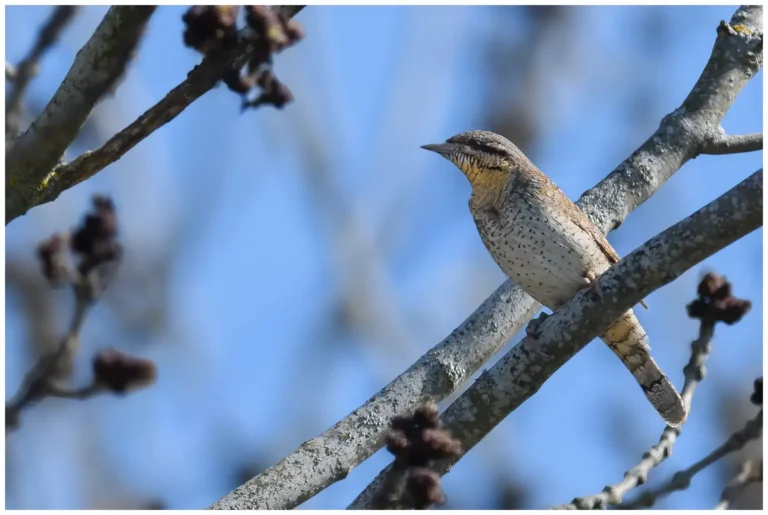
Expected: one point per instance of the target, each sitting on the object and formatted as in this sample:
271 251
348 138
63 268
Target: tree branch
93 74
726 144
51 182
27 68
682 479
322 461
751 472
694 373
736 57
521 372
98 256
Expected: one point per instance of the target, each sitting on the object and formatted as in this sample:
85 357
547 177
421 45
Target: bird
546 245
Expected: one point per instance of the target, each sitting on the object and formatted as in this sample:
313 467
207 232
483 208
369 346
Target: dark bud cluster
210 28
214 28
273 92
276 30
716 303
273 34
424 488
120 372
416 442
54 261
94 246
95 240
757 394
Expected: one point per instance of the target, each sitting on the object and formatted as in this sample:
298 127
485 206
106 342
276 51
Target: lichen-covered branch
730 144
22 74
523 370
322 461
328 458
736 57
50 180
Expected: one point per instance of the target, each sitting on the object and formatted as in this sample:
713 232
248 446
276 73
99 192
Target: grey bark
521 372
95 71
32 174
320 462
733 144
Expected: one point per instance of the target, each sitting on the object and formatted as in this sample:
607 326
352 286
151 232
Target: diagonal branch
49 182
682 479
727 144
328 458
27 68
694 373
736 57
518 375
95 71
322 461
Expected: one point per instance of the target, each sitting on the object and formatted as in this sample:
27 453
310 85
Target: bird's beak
444 149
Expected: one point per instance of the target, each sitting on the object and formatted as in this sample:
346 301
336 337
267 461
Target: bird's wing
584 223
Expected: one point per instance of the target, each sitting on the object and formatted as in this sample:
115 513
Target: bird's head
486 158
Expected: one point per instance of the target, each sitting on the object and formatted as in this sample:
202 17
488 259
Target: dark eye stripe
487 149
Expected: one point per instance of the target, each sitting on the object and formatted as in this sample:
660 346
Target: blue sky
234 206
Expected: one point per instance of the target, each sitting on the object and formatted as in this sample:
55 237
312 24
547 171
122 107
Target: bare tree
401 414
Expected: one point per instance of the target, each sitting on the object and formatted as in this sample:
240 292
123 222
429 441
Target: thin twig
83 393
715 303
682 479
97 67
751 472
694 373
27 68
98 255
38 383
728 144
199 81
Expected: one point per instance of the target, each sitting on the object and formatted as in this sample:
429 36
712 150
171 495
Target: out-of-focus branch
751 472
521 372
10 72
95 71
98 255
22 74
39 381
728 144
682 479
31 182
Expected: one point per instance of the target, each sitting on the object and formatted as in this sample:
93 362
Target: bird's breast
543 252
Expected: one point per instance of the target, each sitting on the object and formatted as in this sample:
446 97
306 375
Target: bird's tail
627 339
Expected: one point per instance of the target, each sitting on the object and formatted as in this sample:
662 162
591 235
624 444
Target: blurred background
284 265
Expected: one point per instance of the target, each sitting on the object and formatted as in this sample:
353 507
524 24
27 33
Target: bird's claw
591 278
533 329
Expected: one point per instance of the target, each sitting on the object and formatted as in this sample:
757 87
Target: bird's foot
533 329
591 278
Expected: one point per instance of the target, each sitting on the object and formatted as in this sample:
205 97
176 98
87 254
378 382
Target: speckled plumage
548 246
